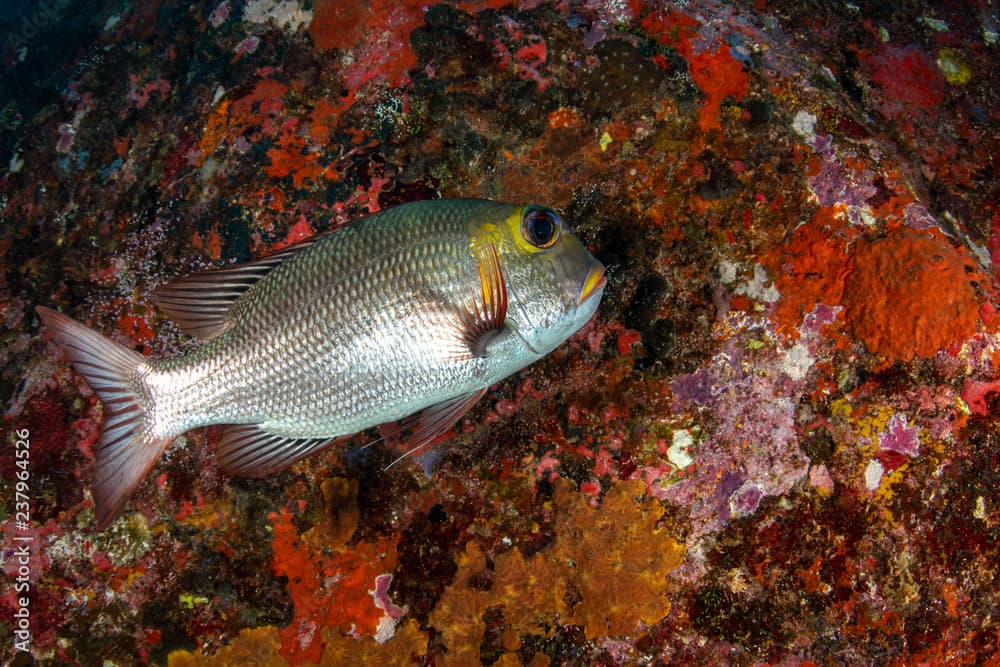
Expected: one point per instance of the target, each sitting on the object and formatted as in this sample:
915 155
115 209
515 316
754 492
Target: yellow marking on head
484 235
504 235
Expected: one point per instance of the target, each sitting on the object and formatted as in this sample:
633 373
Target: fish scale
409 313
248 359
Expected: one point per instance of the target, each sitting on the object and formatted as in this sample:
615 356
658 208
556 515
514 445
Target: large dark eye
540 226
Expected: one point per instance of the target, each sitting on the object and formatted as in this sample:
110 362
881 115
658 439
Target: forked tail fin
128 447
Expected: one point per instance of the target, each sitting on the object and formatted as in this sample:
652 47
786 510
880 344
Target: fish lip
595 282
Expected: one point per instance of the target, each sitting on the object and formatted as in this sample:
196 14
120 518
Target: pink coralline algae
392 613
139 92
900 437
692 389
898 443
67 133
529 56
834 182
746 499
976 395
752 452
219 15
248 45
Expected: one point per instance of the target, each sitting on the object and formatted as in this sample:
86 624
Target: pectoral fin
487 312
431 423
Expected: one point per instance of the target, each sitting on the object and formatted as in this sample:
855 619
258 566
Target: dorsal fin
199 303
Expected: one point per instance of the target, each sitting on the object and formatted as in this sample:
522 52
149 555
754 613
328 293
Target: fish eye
540 226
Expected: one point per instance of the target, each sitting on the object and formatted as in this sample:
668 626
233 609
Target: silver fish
416 310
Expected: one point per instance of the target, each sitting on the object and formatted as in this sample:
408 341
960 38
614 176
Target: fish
406 316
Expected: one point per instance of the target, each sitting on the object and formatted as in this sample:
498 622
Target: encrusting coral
605 571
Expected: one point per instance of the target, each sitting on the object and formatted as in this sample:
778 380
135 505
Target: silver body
356 330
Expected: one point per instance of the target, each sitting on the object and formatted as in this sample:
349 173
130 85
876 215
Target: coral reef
775 443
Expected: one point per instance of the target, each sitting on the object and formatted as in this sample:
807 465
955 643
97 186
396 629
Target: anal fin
247 450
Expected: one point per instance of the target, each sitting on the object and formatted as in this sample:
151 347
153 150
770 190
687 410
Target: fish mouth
595 282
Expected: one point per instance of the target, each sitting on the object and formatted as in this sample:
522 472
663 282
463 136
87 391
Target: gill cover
553 283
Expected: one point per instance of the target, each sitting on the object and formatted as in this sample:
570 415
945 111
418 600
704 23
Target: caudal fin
128 448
